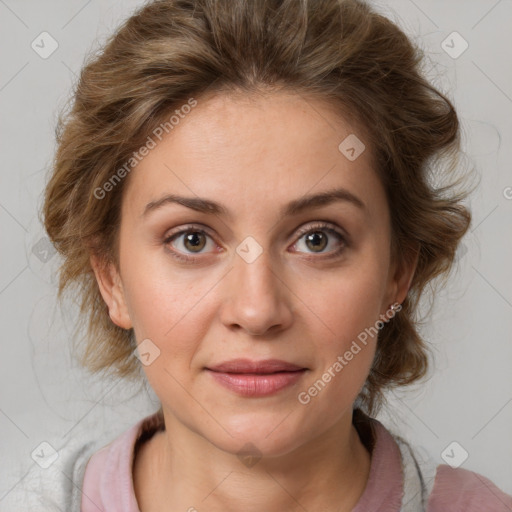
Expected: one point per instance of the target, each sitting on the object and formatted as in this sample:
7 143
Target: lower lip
252 385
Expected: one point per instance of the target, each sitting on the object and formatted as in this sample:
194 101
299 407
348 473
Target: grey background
45 395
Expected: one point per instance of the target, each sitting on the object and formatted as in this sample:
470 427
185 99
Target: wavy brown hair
340 51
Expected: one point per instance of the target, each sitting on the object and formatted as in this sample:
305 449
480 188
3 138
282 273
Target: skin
297 302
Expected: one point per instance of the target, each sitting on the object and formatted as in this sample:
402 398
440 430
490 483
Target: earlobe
111 289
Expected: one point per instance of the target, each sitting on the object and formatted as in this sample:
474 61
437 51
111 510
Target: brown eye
187 243
316 241
194 241
317 238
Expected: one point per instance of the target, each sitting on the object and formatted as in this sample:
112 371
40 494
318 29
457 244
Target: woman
242 190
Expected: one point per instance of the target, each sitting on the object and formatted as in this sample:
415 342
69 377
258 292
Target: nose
256 298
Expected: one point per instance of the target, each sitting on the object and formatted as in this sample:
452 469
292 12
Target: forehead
255 149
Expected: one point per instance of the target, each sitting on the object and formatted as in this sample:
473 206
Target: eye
190 240
318 236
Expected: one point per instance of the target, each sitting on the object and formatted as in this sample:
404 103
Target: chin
268 436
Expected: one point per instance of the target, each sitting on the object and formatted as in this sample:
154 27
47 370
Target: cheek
165 306
347 309
155 296
349 301
350 309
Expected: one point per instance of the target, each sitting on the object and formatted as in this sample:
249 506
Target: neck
181 470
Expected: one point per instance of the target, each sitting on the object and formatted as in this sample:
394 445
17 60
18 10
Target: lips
244 366
256 378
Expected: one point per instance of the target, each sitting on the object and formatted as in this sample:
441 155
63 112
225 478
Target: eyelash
319 226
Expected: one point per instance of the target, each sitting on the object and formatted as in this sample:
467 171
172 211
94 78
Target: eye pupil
194 238
315 237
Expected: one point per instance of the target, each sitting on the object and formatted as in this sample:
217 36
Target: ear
401 277
111 289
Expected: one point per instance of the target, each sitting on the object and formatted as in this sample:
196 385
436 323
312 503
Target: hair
339 51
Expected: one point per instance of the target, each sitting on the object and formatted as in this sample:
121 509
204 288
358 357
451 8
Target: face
267 273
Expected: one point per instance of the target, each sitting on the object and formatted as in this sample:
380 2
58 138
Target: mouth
256 378
246 366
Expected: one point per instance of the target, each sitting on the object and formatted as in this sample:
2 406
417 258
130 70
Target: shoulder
108 480
53 480
466 491
427 485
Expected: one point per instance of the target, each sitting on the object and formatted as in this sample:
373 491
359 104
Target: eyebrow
294 207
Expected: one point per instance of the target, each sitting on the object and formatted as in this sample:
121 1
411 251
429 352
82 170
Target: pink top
108 479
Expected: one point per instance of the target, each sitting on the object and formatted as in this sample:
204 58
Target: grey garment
418 478
57 488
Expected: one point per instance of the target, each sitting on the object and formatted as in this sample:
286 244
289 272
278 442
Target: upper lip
249 366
